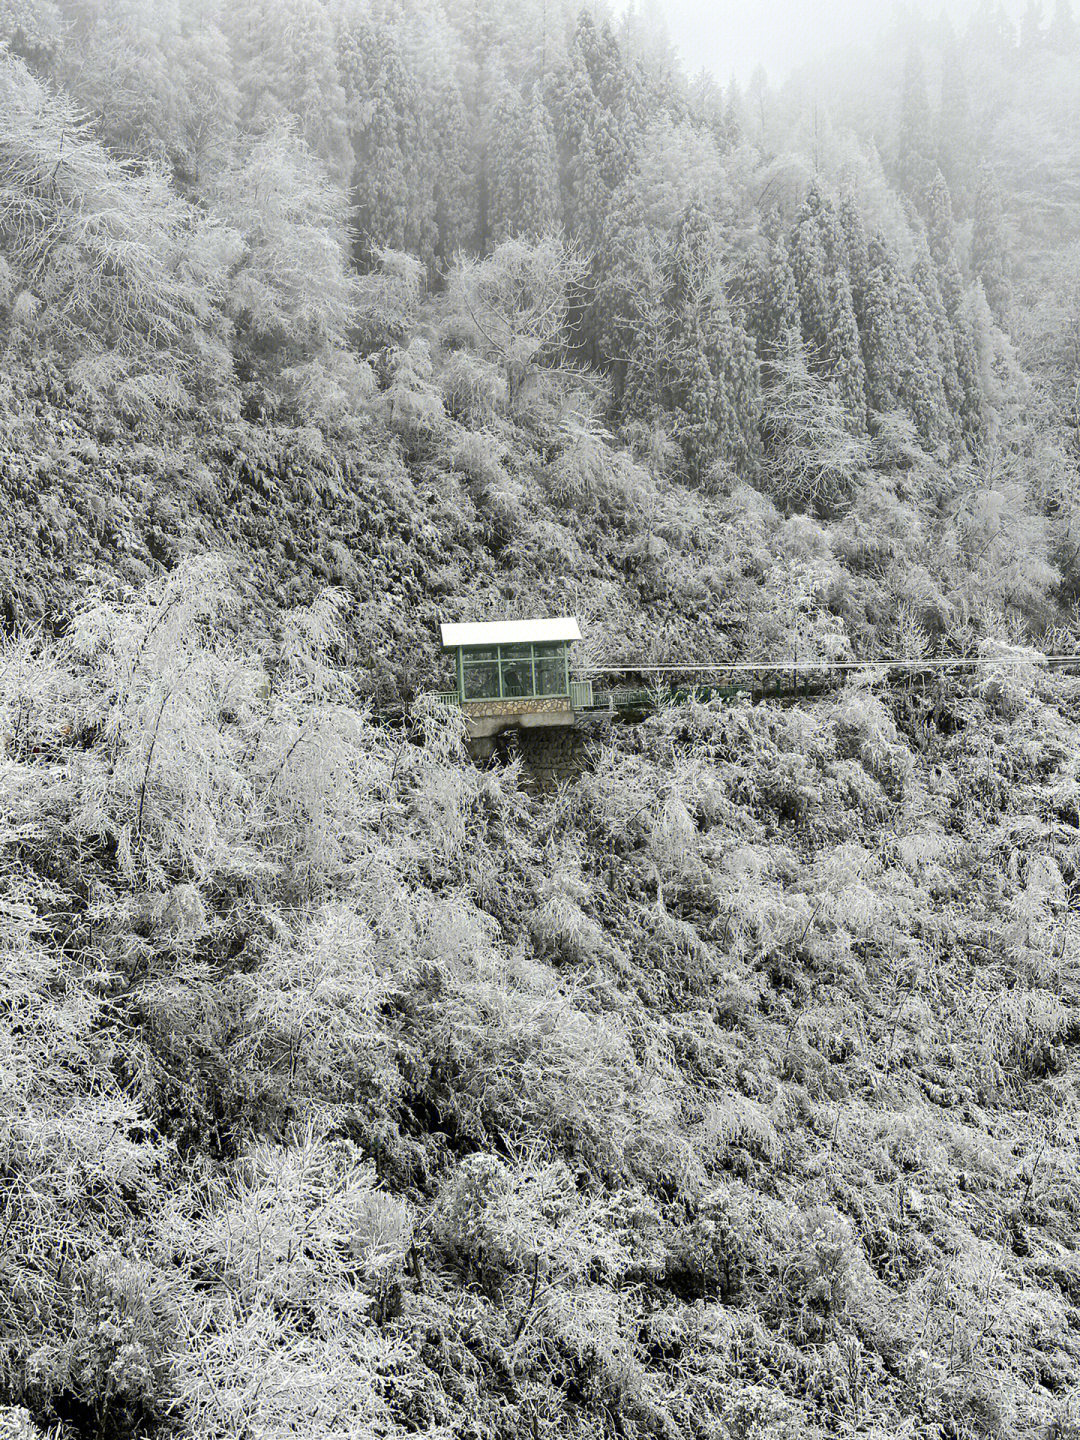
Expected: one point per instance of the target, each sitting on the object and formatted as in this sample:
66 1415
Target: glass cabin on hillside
515 673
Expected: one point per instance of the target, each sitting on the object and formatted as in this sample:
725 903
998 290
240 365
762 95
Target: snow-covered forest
350 1088
441 220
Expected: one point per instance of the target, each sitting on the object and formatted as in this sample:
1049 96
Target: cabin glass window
550 669
480 677
517 676
513 672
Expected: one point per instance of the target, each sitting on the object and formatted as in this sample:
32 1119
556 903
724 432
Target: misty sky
736 35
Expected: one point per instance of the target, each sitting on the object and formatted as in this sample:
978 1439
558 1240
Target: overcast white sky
725 36
736 35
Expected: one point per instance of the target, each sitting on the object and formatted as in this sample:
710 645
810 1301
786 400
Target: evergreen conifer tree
846 367
705 100
989 247
856 257
286 65
991 32
432 52
941 242
882 342
394 202
826 304
923 392
586 49
1061 36
571 104
627 300
924 275
611 80
955 130
758 106
733 123
1031 31
524 184
693 367
809 267
915 148
941 245
770 296
451 196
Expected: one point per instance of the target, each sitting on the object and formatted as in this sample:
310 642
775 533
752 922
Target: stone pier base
549 756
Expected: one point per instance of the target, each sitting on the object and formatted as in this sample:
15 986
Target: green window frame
533 671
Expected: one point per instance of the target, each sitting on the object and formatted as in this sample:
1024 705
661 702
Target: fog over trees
719 1085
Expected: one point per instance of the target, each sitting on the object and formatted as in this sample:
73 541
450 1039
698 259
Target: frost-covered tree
286 67
990 248
955 122
811 456
915 145
290 294
111 270
693 370
385 117
514 305
524 197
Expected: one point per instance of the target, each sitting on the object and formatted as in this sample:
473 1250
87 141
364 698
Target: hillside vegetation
351 1089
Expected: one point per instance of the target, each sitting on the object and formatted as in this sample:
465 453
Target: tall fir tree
524 180
826 305
624 317
286 67
915 143
806 247
1032 35
1062 35
941 244
923 393
586 49
758 107
571 104
733 121
989 246
882 342
393 197
855 247
846 366
925 277
451 193
693 369
705 102
769 295
612 82
955 127
433 54
991 31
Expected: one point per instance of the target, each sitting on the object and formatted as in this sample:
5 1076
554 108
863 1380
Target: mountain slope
349 1086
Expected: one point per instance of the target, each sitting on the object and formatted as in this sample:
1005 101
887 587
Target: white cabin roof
510 632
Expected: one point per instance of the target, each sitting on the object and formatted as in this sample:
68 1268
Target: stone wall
550 757
496 709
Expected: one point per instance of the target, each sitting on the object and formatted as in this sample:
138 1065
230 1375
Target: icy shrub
473 392
413 405
824 1274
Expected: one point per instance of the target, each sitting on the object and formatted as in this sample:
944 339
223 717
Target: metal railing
581 695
